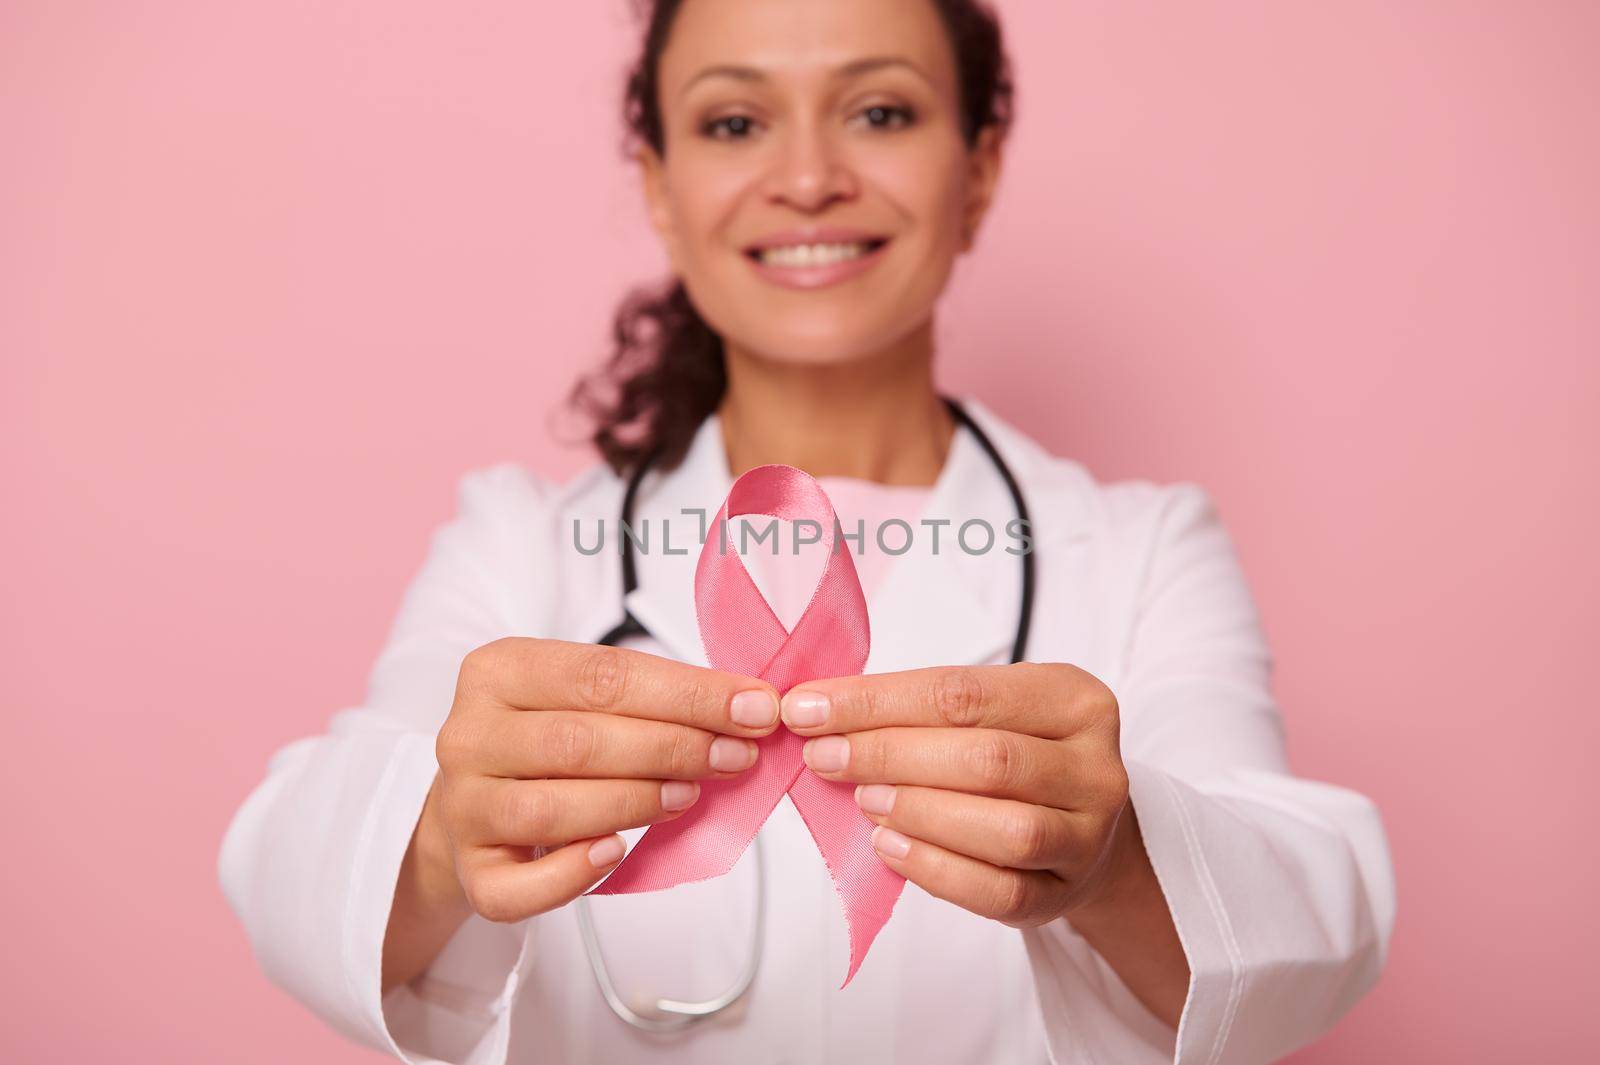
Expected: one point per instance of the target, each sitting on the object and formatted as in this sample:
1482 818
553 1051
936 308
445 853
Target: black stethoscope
665 1015
630 625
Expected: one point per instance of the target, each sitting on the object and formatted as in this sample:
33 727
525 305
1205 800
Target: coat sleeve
310 861
1280 888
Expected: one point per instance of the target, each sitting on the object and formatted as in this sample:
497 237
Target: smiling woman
851 149
1105 856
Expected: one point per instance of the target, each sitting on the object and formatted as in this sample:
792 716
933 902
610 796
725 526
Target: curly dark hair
666 372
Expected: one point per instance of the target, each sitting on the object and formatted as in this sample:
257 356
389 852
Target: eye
728 127
887 116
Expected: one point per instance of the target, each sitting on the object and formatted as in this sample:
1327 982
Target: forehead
802 40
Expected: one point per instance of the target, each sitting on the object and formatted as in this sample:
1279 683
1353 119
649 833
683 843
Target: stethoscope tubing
672 1014
630 626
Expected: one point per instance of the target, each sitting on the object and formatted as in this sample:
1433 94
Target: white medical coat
1281 888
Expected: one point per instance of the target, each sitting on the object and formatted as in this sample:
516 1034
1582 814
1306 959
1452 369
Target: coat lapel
664 600
939 603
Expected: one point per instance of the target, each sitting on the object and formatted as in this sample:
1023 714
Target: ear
653 176
983 175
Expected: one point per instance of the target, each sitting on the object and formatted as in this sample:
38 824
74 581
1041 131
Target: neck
877 419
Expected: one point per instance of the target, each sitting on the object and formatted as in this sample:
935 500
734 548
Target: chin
799 354
816 336
815 346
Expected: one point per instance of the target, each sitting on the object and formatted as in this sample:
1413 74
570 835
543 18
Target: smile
814 254
817 264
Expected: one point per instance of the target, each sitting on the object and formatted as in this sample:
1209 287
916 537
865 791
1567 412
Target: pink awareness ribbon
741 634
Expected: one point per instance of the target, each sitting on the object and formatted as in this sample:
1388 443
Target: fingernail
729 755
876 798
889 843
753 709
827 754
606 852
679 794
805 709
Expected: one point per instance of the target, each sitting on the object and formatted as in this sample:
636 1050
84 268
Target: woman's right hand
558 746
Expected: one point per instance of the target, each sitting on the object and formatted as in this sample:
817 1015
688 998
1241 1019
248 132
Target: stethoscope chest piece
669 1014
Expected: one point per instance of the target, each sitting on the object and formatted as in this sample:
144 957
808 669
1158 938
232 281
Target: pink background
272 275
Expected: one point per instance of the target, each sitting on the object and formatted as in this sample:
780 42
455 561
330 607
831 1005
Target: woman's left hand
998 788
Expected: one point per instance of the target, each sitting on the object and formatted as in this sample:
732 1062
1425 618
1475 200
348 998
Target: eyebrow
852 69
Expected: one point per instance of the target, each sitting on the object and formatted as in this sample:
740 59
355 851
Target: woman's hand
998 788
560 745
1002 789
549 750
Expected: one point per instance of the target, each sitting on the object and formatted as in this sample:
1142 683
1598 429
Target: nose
810 170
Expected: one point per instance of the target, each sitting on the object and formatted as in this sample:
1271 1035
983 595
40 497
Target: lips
815 257
810 235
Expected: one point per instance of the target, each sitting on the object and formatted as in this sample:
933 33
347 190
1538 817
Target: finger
565 743
1048 699
548 813
1002 832
1002 765
523 673
504 884
1017 897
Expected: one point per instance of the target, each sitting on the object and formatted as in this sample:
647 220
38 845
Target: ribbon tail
708 840
867 887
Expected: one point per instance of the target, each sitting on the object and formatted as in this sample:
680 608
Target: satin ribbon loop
741 634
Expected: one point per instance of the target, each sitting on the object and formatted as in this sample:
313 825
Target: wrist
431 858
1124 879
429 903
1127 920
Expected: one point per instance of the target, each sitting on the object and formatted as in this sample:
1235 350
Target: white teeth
812 254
